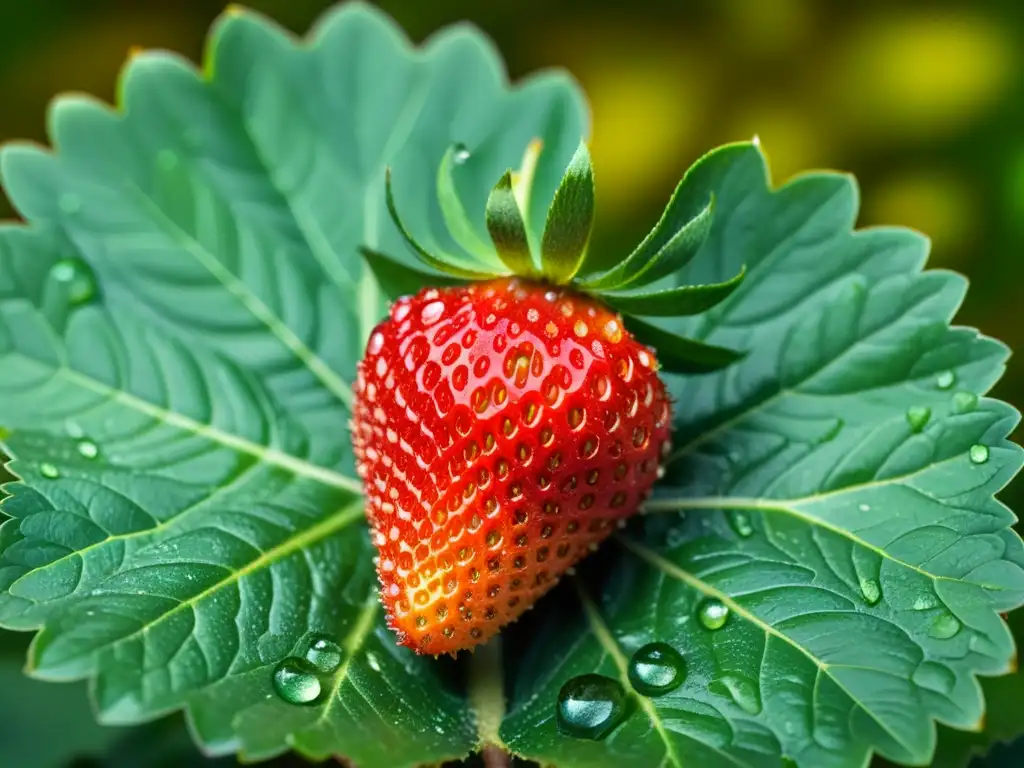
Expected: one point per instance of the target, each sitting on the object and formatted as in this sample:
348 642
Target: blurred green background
923 100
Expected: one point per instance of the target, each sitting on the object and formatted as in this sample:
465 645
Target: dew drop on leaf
77 278
47 469
918 417
964 402
740 522
925 602
74 430
373 661
460 154
656 669
88 449
591 707
945 380
864 507
979 453
944 626
324 654
295 682
743 691
713 613
871 590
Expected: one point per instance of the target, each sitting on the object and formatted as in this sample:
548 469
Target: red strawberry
501 430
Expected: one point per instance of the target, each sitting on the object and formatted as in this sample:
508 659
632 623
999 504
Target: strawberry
503 428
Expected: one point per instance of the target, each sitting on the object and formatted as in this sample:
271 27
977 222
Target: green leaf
189 514
446 264
833 489
398 279
570 220
179 330
507 228
455 216
671 245
679 354
674 302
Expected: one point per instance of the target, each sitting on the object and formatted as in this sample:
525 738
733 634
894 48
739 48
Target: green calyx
645 284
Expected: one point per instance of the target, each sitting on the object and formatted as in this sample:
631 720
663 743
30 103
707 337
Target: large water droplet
373 661
871 590
46 469
324 654
295 682
460 154
918 417
944 626
964 402
713 613
88 449
740 522
656 669
945 380
743 691
78 279
591 707
979 453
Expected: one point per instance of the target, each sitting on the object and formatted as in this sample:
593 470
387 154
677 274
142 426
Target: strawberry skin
501 430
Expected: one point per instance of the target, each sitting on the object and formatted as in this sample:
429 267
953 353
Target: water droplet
964 402
918 417
656 669
979 453
925 602
945 380
591 707
864 507
47 469
70 203
88 449
460 154
743 691
373 661
713 613
74 430
295 682
944 626
78 279
324 654
740 522
871 590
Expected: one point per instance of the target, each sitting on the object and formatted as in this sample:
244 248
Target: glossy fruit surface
501 430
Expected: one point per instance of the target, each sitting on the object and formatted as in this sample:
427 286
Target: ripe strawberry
501 430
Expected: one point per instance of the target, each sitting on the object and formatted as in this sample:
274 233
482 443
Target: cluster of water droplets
300 679
592 706
963 401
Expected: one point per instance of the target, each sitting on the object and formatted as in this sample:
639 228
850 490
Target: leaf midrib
671 569
337 521
261 453
791 507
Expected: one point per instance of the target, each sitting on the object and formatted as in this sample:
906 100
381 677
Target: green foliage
179 329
